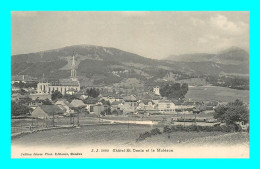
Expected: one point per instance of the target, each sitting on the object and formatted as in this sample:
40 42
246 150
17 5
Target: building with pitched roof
47 111
77 103
65 86
130 102
64 105
166 106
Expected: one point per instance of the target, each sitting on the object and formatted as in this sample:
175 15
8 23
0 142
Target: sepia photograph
130 84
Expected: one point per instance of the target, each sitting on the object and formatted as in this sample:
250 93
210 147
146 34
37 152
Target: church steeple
73 72
43 80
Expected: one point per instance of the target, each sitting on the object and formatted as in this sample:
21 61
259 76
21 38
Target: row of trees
92 92
25 85
231 82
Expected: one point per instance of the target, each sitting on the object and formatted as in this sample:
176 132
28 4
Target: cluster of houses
108 105
147 103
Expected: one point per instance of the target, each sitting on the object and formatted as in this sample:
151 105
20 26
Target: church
65 86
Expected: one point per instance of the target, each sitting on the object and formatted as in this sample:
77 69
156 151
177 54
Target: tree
69 98
108 111
232 112
25 101
21 84
117 112
104 102
56 95
22 92
174 90
184 89
114 112
92 92
18 109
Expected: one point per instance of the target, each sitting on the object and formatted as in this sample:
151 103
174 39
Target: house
109 98
83 97
146 105
131 102
77 103
156 99
156 90
126 108
18 96
116 105
164 106
15 89
64 105
119 98
71 91
211 105
34 105
185 106
47 111
91 100
97 108
40 96
31 90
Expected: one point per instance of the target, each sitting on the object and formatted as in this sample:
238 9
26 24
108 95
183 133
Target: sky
152 34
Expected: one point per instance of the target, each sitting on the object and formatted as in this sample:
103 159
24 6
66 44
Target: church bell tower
73 73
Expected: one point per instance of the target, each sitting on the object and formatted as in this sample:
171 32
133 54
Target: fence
34 124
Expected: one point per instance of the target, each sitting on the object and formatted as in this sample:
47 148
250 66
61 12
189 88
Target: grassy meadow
222 94
124 135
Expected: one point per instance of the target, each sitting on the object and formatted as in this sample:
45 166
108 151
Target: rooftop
50 109
65 82
130 98
77 103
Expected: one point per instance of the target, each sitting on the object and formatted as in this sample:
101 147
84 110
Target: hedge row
224 128
167 129
147 134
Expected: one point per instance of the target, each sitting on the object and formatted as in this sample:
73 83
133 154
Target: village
66 103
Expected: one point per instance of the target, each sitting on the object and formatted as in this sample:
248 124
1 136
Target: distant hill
230 56
87 51
89 59
233 55
106 65
195 57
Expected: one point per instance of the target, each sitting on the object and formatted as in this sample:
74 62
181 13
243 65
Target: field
120 135
222 94
198 139
87 135
23 125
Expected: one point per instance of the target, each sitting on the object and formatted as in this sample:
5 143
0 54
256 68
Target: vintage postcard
130 84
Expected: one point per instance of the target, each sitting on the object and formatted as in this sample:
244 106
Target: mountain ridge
227 56
102 62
